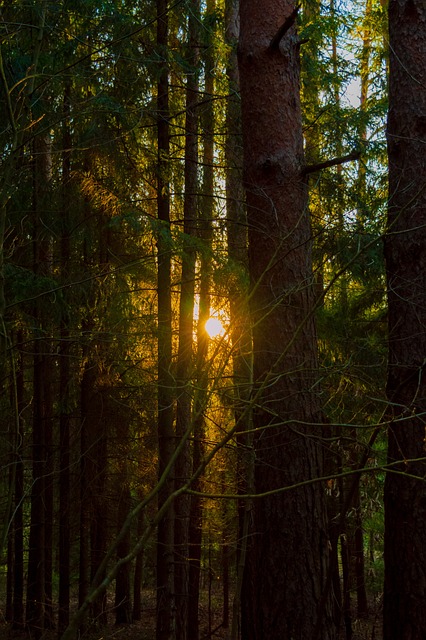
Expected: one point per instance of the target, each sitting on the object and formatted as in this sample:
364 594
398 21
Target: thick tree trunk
288 551
405 252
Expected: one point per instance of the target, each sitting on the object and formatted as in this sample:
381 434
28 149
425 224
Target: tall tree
165 536
236 226
205 234
405 252
186 318
64 385
288 555
39 587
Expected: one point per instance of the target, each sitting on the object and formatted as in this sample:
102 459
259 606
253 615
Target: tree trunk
186 322
405 253
86 474
64 388
39 586
165 535
240 333
123 603
205 233
138 573
288 550
358 558
18 521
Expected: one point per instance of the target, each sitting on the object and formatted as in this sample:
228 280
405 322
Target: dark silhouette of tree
405 251
165 538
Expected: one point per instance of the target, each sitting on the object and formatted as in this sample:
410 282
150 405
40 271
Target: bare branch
313 168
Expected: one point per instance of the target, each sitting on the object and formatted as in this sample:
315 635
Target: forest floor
210 626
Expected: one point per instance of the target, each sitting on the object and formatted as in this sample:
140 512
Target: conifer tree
405 251
288 549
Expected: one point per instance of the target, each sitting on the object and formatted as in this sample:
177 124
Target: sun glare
214 328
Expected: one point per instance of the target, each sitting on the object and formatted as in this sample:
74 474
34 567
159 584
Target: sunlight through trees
211 319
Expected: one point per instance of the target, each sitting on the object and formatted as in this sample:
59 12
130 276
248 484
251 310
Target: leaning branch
313 168
289 22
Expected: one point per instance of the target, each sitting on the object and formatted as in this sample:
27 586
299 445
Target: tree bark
165 535
240 330
200 401
186 322
405 253
288 550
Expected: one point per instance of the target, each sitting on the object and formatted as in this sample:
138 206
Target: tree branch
288 23
313 168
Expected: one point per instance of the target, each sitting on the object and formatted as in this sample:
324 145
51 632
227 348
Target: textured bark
288 549
405 252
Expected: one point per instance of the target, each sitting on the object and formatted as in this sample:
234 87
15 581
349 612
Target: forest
213 319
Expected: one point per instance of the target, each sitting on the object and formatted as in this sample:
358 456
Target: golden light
214 328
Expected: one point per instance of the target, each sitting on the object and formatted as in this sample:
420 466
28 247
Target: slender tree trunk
123 603
39 586
165 535
237 243
86 474
18 521
288 553
405 253
8 609
205 232
87 384
346 579
64 388
99 523
138 573
359 558
186 322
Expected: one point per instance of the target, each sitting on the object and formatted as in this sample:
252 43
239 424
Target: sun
214 328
